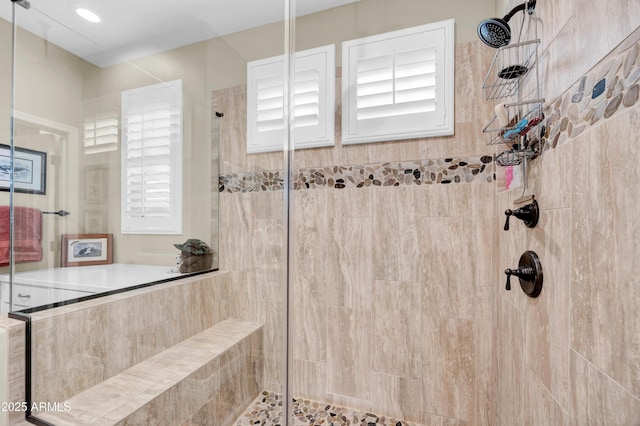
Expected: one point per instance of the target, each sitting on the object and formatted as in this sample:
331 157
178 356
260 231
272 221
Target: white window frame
168 221
316 66
395 121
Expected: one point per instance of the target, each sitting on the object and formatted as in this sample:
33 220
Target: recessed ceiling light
88 15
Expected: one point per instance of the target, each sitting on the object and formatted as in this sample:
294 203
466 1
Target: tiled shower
396 250
399 303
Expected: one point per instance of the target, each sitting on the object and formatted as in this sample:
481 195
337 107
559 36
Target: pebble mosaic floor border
266 410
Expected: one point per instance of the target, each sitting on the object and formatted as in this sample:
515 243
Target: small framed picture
29 170
86 249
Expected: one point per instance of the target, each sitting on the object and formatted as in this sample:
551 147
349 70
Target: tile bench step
212 373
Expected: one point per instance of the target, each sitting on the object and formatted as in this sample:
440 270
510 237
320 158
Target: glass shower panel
115 163
117 129
371 257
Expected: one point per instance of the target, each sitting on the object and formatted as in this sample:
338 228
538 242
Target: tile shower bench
208 378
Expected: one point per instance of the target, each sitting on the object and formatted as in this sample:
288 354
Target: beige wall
389 317
378 314
368 17
569 357
48 86
102 93
398 293
5 84
61 87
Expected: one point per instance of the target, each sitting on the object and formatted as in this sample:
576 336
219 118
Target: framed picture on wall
95 184
29 170
86 249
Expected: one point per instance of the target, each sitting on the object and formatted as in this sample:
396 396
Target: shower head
495 32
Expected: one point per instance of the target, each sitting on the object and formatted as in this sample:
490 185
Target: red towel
27 235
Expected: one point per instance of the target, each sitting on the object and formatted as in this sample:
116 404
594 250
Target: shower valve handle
508 213
529 214
525 272
529 273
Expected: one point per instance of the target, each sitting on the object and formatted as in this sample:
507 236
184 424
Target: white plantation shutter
314 101
152 159
100 134
398 85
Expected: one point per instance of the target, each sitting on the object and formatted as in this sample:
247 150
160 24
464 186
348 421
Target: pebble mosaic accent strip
610 87
266 410
421 172
251 181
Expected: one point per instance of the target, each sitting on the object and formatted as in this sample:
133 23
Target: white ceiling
133 29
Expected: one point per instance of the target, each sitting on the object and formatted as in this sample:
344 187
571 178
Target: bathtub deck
46 286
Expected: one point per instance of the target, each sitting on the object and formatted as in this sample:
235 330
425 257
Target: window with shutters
152 159
314 101
100 133
398 85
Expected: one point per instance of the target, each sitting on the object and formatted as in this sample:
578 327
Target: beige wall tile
510 364
388 249
355 154
159 410
551 178
317 157
349 354
590 46
448 373
232 131
436 201
484 344
557 47
349 264
541 408
409 246
398 397
354 403
547 317
16 351
266 294
394 151
486 235
448 267
604 245
310 236
468 83
596 399
433 420
349 203
463 200
16 393
309 380
309 325
397 329
234 236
